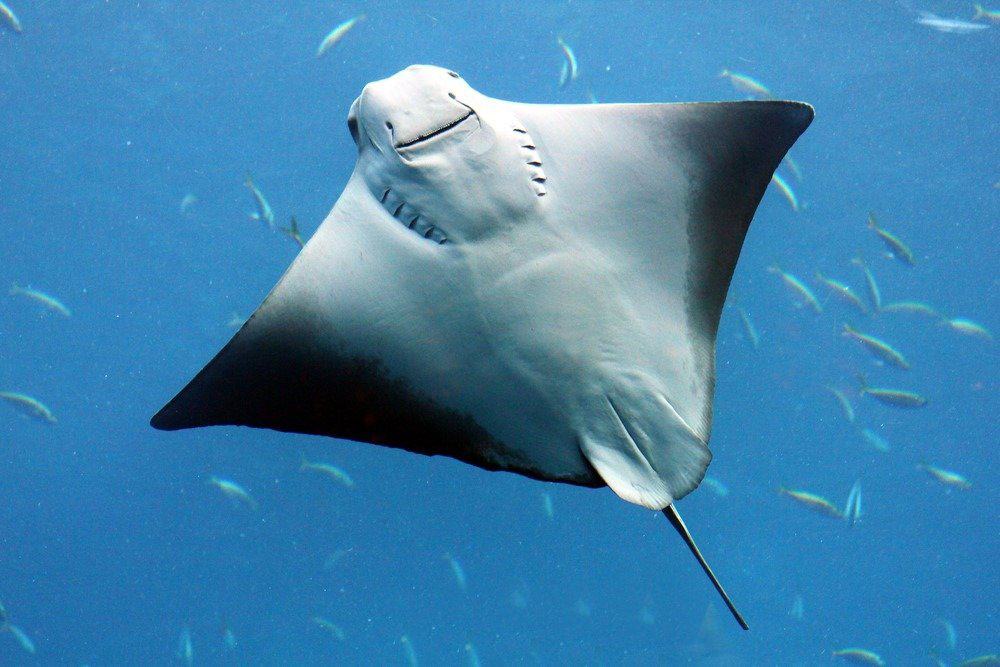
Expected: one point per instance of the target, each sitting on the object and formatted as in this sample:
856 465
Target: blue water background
111 539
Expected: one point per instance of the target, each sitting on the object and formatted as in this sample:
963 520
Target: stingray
531 288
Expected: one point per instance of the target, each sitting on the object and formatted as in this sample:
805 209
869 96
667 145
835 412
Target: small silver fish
798 287
747 84
456 570
950 635
859 656
409 651
877 347
875 440
793 166
292 232
333 472
187 202
547 506
572 67
233 491
8 14
969 328
785 188
748 327
716 486
185 648
798 608
899 398
899 250
852 510
46 300
471 656
952 26
335 630
845 403
874 293
843 292
29 405
337 34
264 211
912 308
21 636
946 477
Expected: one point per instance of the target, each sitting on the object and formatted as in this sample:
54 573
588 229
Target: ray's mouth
460 122
435 133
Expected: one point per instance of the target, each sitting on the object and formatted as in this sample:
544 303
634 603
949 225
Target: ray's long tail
675 520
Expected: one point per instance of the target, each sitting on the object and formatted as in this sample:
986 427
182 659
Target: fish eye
453 75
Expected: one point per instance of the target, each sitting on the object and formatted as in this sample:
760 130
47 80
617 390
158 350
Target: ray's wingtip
803 111
165 419
159 422
810 110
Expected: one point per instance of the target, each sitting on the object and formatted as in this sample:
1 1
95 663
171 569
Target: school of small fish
885 358
866 303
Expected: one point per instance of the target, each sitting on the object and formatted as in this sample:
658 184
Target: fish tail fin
872 224
248 181
724 73
774 268
303 462
847 330
15 288
862 382
675 520
979 12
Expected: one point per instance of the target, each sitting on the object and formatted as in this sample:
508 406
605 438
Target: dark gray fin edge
675 520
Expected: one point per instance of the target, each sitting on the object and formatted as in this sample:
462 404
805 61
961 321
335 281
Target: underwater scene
528 263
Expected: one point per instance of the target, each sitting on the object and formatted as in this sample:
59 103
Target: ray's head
432 147
420 107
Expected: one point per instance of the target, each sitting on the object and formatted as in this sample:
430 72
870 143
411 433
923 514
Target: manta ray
534 288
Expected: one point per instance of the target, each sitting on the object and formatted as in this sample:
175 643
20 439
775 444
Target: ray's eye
352 126
451 95
453 75
388 125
